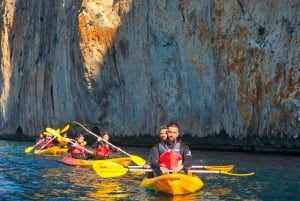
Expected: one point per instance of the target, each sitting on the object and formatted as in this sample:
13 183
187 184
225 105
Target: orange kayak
174 184
68 160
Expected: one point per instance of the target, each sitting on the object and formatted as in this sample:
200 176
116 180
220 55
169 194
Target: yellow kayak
55 151
174 184
68 160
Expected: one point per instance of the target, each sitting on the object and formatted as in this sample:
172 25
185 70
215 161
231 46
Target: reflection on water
37 177
221 191
109 190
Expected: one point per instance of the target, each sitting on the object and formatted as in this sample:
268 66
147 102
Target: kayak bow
174 184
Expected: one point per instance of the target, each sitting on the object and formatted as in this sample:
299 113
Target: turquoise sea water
39 177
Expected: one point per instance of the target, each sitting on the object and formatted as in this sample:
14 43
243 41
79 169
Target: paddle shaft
100 138
192 171
193 167
34 146
29 149
199 171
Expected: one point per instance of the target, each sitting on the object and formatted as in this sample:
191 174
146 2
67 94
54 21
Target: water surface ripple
40 177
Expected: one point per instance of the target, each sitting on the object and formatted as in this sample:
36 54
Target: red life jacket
103 151
49 144
170 158
77 149
40 143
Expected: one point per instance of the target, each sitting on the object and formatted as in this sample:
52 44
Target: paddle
66 128
29 149
136 159
203 171
108 170
55 133
226 168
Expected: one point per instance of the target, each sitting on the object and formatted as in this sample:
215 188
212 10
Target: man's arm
154 156
187 157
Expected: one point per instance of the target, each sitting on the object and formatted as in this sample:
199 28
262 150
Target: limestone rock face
128 66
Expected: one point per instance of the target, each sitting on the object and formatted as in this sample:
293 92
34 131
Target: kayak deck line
69 160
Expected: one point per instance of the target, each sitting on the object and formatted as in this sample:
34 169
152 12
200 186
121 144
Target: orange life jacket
170 158
62 144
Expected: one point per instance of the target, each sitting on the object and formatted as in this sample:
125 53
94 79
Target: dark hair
173 124
79 135
105 133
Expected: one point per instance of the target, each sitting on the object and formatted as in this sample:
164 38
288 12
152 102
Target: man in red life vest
172 154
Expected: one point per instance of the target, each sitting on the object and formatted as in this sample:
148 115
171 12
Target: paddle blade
223 172
226 168
108 169
53 132
66 128
137 160
28 149
237 174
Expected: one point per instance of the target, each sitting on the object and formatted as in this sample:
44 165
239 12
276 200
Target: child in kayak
102 147
77 149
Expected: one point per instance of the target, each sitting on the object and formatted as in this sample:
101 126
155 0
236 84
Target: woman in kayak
172 154
102 147
77 150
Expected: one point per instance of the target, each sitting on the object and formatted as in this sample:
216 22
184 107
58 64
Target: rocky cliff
226 71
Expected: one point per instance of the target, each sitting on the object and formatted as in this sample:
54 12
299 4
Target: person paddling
44 142
40 141
163 137
49 141
63 143
172 154
102 147
77 149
